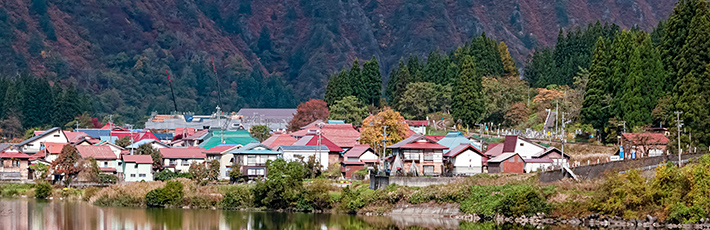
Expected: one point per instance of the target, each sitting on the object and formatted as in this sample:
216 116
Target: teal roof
255 148
237 137
453 139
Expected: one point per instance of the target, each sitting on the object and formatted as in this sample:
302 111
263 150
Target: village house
153 143
529 150
105 158
417 155
222 153
418 127
345 136
227 137
278 139
303 152
453 139
466 159
252 158
34 144
192 140
179 159
555 155
314 139
50 151
117 150
507 163
358 158
14 165
637 145
137 168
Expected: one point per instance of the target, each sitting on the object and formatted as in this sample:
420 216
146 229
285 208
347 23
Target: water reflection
32 214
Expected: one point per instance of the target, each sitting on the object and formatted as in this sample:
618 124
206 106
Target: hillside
264 51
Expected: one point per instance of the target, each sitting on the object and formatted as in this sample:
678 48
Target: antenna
171 90
219 89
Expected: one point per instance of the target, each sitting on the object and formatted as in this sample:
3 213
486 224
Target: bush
239 197
509 200
10 190
315 196
170 195
107 179
43 190
90 192
166 175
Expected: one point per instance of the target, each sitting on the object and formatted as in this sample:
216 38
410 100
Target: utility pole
384 147
679 123
624 122
130 128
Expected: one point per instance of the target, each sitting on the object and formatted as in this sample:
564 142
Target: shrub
10 190
170 195
509 200
239 197
165 175
90 192
70 192
43 190
315 196
107 179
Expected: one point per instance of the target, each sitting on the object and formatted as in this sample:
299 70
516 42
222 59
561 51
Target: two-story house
222 153
104 156
34 144
13 165
417 155
315 139
137 168
303 152
358 158
252 158
179 159
466 159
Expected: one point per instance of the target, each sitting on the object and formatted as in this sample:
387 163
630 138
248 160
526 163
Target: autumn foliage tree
308 112
66 162
371 132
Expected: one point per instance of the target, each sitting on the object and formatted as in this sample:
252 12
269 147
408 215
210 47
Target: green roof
237 137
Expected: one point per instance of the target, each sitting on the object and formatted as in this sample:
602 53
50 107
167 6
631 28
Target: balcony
411 156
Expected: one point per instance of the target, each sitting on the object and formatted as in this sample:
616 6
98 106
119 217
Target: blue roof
304 147
453 139
341 122
254 148
95 133
141 142
164 136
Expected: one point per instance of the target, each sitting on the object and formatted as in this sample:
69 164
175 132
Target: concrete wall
598 170
421 181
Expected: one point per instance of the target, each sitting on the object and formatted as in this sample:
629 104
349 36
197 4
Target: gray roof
502 157
95 133
4 146
303 147
45 133
272 118
250 149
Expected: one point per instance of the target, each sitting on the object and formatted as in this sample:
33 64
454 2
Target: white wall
528 150
290 155
132 174
179 167
368 155
532 167
57 137
468 162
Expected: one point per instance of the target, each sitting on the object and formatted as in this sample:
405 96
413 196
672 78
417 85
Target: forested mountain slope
264 51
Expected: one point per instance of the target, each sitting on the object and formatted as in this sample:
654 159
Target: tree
11 127
422 98
282 186
66 162
500 95
372 80
147 149
596 100
88 170
235 173
41 171
124 141
509 68
308 112
675 35
540 68
467 101
355 77
213 170
517 114
348 109
338 87
199 172
260 132
84 120
399 78
372 128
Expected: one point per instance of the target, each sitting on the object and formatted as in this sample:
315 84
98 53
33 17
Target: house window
429 155
512 159
185 163
141 175
105 163
135 166
30 145
56 135
260 172
172 162
353 159
428 170
412 154
133 175
251 172
15 163
521 144
251 160
120 163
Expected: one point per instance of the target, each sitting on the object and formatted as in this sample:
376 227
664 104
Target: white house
179 159
137 168
105 158
361 153
224 156
33 145
252 159
114 147
466 159
303 152
526 148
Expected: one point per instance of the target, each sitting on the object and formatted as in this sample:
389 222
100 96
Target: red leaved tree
307 112
66 162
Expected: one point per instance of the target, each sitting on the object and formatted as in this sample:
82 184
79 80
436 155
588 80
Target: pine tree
653 72
12 104
595 106
540 70
467 99
632 101
485 54
623 48
415 69
509 68
372 79
355 78
675 35
338 87
435 68
398 83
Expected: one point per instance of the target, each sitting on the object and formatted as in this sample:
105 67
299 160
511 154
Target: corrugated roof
455 151
197 135
648 138
549 150
495 149
268 113
13 154
95 133
502 157
139 159
183 152
4 146
454 139
343 135
509 144
221 148
236 137
96 151
313 140
279 139
53 148
254 148
405 141
538 160
417 123
423 145
358 150
303 147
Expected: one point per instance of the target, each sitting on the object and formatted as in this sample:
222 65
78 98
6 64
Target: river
70 215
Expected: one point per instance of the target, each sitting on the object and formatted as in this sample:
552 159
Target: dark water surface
69 215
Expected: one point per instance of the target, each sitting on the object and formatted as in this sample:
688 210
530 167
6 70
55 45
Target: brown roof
191 152
96 151
279 139
649 138
357 151
343 135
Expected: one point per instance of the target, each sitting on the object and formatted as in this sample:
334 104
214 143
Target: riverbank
666 196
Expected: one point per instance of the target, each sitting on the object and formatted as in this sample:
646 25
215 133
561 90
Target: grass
11 190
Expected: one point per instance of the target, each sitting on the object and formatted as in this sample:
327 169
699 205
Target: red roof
107 169
343 135
656 138
417 123
196 135
13 154
184 131
357 151
220 148
112 126
463 147
139 159
353 163
75 136
509 144
495 149
436 138
182 152
423 145
313 140
279 139
411 132
53 148
96 151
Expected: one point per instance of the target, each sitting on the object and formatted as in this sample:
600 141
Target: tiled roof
313 140
13 154
221 148
649 138
53 148
502 157
357 151
279 139
96 151
139 159
343 135
197 135
182 152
